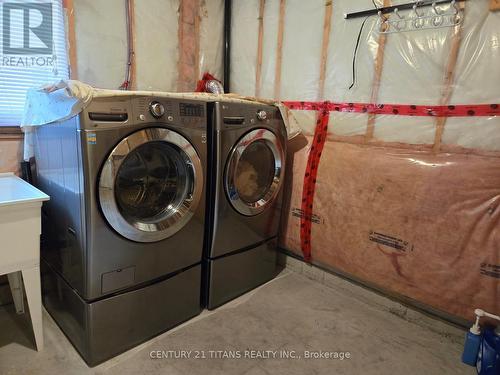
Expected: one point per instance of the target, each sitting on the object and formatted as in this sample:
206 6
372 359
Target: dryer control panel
244 115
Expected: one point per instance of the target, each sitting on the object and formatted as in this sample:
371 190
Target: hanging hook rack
435 9
415 9
396 12
400 7
419 19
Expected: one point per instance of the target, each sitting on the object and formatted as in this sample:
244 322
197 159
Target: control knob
262 115
156 109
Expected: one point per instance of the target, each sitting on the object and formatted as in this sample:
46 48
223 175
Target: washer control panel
117 112
191 110
173 111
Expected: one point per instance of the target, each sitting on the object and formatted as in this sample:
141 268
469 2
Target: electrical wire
357 46
130 52
356 53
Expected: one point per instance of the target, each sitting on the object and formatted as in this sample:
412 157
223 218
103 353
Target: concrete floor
290 313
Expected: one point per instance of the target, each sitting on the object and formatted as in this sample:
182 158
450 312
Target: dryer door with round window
254 172
150 185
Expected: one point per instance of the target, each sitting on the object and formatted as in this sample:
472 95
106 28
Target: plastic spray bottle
472 343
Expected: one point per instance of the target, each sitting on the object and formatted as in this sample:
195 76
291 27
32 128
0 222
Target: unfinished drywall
101 42
406 203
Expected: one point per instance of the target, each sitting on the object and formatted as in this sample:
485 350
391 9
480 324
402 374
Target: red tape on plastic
309 187
321 132
463 110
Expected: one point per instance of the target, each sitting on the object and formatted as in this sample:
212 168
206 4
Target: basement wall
407 204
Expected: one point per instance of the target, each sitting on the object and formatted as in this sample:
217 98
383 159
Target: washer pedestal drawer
104 328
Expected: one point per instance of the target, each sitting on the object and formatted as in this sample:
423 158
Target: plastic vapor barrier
422 225
406 202
211 37
102 50
101 42
156 44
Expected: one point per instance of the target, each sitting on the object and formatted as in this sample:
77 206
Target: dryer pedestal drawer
232 275
102 329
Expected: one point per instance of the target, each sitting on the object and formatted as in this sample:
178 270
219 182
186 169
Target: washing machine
123 234
247 169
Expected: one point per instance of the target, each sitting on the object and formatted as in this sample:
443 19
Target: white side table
20 228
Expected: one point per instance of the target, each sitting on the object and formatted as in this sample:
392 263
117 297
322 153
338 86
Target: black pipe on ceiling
227 43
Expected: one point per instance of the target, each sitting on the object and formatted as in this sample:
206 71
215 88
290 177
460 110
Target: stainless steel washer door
150 185
254 172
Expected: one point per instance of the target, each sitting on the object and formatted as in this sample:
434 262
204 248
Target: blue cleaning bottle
488 362
472 344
